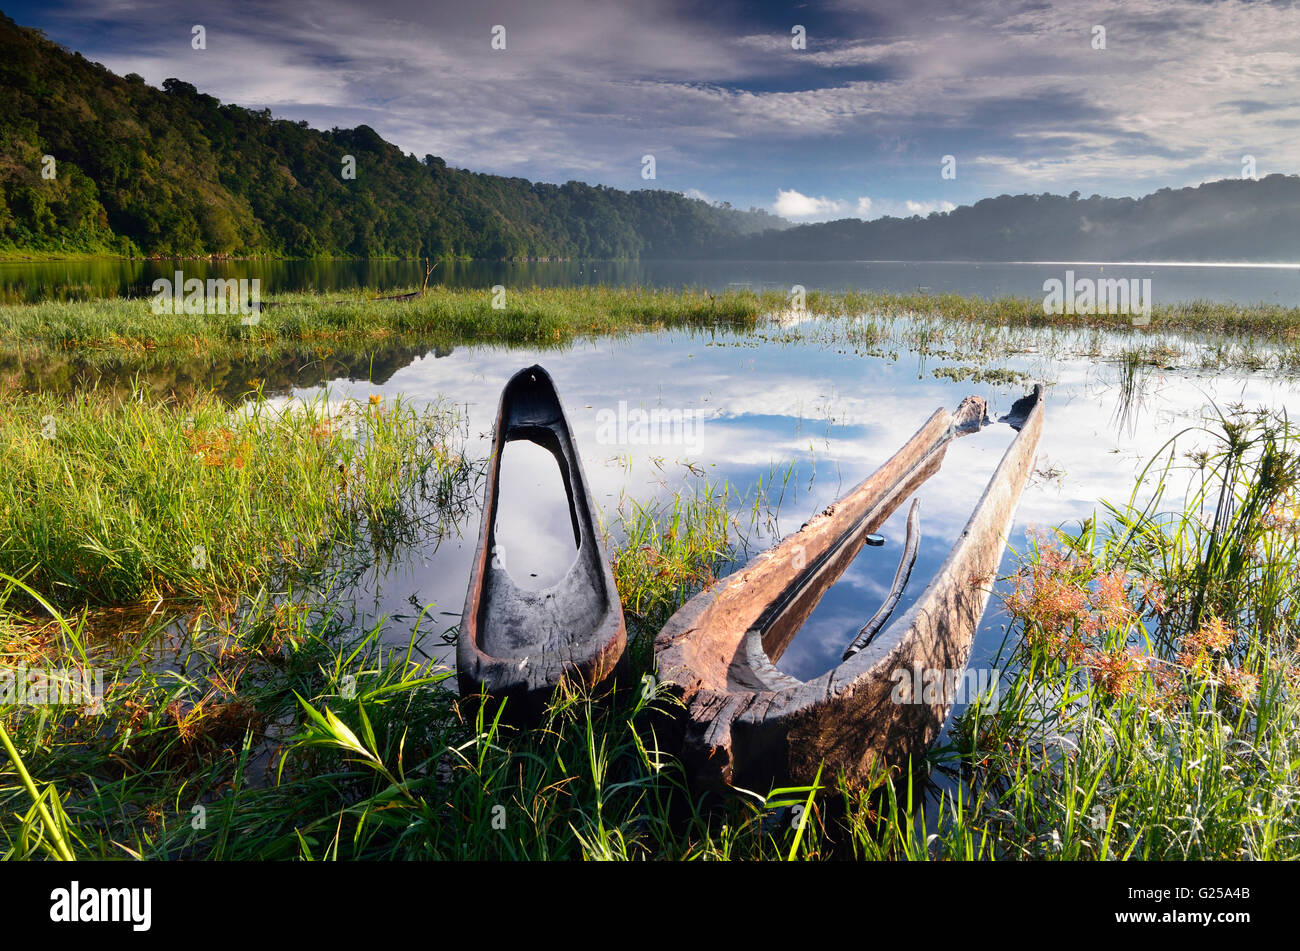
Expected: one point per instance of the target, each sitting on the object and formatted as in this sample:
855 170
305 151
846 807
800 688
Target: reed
113 501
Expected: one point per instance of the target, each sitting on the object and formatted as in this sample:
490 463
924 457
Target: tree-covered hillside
1229 220
175 172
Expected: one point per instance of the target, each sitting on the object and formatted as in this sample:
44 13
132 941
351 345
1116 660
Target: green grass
42 255
285 733
279 731
112 501
527 315
126 332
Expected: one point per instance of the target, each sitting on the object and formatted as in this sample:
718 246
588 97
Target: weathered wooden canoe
748 724
515 643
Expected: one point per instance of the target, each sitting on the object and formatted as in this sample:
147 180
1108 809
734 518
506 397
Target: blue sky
854 125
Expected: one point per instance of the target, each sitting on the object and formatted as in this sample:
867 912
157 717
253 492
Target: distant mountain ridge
174 172
1230 220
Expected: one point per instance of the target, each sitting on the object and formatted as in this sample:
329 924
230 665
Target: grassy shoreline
457 316
18 256
1149 705
529 313
1151 659
67 346
46 256
114 501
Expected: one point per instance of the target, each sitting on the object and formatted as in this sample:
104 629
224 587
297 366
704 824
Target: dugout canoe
747 724
515 643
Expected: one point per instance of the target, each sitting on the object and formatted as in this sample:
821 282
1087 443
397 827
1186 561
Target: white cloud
792 204
863 54
925 207
869 208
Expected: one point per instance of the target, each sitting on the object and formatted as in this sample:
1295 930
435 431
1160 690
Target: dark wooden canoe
748 724
515 643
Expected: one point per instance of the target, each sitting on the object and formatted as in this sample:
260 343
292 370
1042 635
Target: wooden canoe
516 643
747 724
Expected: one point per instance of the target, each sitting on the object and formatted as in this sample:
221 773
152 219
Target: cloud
1012 88
792 204
925 207
867 208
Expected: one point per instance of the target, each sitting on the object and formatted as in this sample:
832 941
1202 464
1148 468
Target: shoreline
518 314
33 256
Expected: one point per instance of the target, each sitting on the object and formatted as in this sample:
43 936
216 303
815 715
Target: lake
1170 282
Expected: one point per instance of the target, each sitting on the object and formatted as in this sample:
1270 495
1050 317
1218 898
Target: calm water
835 415
1169 283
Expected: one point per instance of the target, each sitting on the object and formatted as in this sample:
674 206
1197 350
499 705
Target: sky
887 109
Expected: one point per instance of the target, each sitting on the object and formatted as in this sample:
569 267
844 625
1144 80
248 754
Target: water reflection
231 377
534 530
1131 390
84 280
835 416
947 499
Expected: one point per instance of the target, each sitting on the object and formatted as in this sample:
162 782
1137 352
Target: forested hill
175 172
1229 220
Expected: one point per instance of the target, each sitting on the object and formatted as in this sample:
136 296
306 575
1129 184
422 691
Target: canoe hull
749 725
518 644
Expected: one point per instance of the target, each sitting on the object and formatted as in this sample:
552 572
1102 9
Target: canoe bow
517 643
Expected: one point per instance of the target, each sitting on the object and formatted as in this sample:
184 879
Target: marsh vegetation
1147 707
